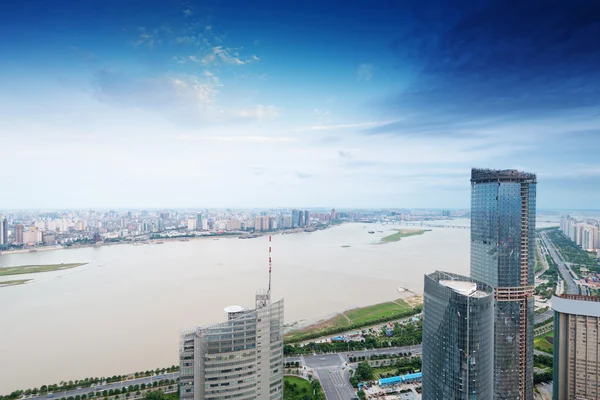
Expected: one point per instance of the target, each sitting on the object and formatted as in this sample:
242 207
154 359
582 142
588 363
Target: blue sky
128 103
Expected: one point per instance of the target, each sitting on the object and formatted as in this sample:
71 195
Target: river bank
161 240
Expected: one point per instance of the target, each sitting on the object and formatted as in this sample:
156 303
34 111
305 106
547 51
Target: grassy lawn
14 282
402 233
32 269
542 344
373 313
351 319
379 371
339 321
295 388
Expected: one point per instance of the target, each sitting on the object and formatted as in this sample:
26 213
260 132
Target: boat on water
371 232
402 289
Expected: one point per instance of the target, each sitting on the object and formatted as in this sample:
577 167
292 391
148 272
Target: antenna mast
269 263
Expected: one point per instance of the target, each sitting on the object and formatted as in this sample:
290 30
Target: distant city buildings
81 227
576 341
585 234
502 240
458 338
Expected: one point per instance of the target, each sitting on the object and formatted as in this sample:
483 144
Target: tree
364 372
361 395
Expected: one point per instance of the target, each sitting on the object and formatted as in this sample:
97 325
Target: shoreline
167 239
411 298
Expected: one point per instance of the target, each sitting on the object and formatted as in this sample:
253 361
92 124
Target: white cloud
226 56
345 126
188 13
240 139
364 72
257 112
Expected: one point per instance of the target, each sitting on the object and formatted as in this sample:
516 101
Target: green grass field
295 388
363 316
33 269
542 344
14 282
402 233
373 313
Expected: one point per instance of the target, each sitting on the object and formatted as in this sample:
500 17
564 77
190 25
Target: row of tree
84 383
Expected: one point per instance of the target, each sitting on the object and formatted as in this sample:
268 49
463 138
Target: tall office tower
19 233
458 334
576 347
306 218
3 230
300 218
332 214
502 240
241 358
199 221
294 218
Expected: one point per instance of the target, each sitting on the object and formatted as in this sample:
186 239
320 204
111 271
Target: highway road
572 287
107 386
544 317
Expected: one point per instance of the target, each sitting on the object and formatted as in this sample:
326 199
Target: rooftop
512 175
234 309
465 288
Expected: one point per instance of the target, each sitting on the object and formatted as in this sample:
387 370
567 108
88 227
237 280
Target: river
123 311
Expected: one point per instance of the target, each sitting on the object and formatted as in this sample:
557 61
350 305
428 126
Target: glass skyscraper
502 240
458 335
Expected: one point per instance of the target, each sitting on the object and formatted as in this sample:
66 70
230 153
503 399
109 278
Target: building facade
3 231
576 347
240 359
458 335
19 228
502 255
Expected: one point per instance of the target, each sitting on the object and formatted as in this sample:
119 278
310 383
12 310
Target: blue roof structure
337 339
400 379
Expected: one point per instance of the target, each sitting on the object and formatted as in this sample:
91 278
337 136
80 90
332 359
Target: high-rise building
300 218
199 221
191 224
576 347
306 218
32 236
294 218
502 240
19 233
241 358
3 230
458 335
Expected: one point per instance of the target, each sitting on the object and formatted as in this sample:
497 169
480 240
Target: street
572 287
333 372
108 386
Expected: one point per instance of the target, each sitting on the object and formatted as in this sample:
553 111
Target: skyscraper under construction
502 248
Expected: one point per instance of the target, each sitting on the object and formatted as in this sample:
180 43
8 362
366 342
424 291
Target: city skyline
175 103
